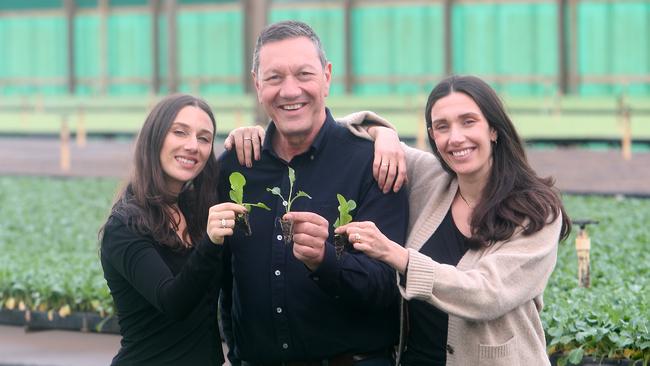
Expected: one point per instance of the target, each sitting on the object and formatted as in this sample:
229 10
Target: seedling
341 242
237 183
287 225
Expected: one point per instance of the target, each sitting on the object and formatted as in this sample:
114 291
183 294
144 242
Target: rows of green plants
49 262
611 318
48 244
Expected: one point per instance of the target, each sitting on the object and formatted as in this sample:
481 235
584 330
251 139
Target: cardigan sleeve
136 259
489 282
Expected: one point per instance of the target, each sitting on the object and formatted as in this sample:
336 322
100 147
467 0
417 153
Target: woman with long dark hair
483 236
161 245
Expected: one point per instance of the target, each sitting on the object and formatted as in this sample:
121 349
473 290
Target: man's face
292 85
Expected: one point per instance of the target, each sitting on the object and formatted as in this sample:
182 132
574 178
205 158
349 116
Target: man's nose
290 88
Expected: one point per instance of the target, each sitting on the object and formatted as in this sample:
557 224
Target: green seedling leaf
259 204
345 207
301 194
236 196
290 198
292 176
237 180
237 183
575 356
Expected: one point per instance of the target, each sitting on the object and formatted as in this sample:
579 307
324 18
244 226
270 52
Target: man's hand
310 231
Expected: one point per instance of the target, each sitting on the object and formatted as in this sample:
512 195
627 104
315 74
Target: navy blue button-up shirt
281 311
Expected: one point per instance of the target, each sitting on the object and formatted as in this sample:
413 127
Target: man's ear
328 77
257 85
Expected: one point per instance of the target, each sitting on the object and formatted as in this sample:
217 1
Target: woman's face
462 136
187 147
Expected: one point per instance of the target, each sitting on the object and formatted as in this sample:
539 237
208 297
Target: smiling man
301 304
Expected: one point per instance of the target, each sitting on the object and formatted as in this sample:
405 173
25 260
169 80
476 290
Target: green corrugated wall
614 38
217 37
403 42
33 47
328 23
504 42
508 40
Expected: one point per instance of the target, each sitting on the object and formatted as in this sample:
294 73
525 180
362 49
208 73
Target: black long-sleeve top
166 300
281 311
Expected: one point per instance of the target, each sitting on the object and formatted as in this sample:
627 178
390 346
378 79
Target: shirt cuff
209 249
326 275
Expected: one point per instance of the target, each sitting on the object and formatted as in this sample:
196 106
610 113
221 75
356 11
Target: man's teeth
461 152
186 161
291 107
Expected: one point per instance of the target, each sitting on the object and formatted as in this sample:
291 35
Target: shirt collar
316 145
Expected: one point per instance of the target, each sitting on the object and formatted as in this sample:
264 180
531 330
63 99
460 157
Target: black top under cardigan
427 324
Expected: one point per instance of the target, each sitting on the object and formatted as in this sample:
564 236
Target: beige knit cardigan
494 295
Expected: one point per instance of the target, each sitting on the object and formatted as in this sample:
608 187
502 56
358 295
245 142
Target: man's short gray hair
286 30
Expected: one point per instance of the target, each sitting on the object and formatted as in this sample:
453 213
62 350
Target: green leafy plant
287 225
237 183
288 201
608 320
345 208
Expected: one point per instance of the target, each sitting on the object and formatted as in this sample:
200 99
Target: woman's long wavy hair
144 204
514 195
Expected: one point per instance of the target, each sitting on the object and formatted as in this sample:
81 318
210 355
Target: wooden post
102 7
572 76
449 43
562 75
255 19
626 125
172 50
347 33
81 128
583 246
64 161
154 8
421 137
70 9
557 103
238 119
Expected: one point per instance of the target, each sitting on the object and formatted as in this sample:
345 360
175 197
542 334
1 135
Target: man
299 304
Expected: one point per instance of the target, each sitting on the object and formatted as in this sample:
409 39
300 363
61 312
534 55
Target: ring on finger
248 139
385 164
356 238
223 223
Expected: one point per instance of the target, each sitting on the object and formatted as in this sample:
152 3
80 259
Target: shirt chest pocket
504 354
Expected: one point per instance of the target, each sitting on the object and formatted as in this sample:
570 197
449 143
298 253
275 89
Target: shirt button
277 272
278 310
450 349
311 157
316 278
285 346
279 237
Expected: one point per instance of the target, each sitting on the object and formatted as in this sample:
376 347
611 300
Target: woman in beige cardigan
482 240
483 232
